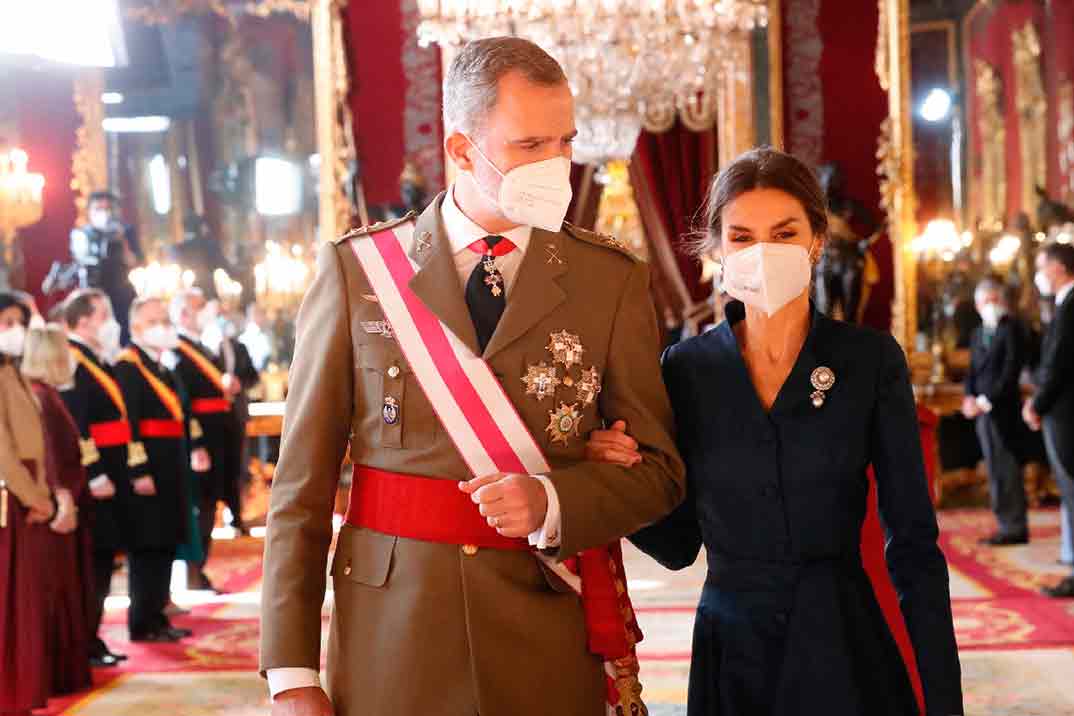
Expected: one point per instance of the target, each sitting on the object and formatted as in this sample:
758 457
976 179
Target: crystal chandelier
20 204
631 64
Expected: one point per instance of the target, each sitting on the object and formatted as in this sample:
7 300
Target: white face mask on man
767 276
535 194
992 314
161 337
108 336
1043 283
12 340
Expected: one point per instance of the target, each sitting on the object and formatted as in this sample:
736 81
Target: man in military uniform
211 390
564 324
106 250
96 402
159 426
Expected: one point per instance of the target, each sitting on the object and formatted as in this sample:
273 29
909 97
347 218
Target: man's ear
459 149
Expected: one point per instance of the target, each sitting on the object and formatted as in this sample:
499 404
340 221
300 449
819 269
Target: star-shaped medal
565 423
541 380
566 348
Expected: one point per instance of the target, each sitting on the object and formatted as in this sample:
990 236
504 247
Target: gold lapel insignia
378 328
565 423
553 255
589 386
566 348
822 379
370 297
541 380
424 241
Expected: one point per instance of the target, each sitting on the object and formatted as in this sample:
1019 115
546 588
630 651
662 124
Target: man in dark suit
993 401
97 405
1052 408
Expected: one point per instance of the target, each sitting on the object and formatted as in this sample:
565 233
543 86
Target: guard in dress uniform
159 426
526 337
96 402
211 391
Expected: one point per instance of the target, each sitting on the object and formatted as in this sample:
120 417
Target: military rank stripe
467 397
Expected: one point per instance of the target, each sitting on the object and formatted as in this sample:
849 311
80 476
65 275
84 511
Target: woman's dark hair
761 168
1062 254
7 300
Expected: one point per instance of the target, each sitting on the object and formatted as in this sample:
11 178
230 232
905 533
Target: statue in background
846 271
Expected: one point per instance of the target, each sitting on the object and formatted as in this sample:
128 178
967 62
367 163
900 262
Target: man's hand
102 488
970 408
144 486
200 460
1030 416
613 446
307 701
232 383
515 505
66 520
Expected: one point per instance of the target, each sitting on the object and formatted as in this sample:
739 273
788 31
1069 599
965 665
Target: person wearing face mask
993 401
96 403
780 411
1051 409
27 506
212 390
48 364
106 249
463 407
160 423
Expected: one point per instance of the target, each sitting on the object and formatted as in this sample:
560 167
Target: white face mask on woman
767 276
535 194
12 340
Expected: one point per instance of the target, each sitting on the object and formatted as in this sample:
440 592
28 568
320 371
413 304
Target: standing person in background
27 505
159 425
48 364
212 391
993 400
1052 408
97 405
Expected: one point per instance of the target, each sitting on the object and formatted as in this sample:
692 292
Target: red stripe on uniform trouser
111 434
160 429
421 508
207 406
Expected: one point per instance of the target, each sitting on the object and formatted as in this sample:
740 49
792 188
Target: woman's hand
66 520
613 446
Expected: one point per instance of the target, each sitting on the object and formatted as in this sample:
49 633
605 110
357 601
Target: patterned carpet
1017 647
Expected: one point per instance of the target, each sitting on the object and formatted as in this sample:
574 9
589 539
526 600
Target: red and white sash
491 437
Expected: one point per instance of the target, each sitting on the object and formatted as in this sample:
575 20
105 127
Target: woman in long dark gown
780 411
26 507
47 364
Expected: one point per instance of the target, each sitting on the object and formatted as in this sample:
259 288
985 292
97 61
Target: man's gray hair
470 85
179 302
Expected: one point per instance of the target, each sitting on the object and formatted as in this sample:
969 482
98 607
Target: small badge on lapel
378 328
565 423
566 348
424 241
553 255
822 379
541 380
589 386
390 411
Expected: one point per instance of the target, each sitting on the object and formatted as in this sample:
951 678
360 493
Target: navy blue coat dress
788 623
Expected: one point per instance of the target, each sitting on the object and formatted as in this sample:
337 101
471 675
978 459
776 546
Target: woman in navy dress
780 412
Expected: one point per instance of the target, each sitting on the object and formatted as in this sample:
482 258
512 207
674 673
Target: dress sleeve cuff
548 535
287 678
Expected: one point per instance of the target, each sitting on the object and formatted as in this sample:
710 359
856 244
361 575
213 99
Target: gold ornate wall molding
775 73
992 129
160 12
1032 104
1065 97
89 163
895 167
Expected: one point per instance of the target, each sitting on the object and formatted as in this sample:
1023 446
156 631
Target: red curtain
670 173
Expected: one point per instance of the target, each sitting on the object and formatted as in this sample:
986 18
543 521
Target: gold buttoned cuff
88 448
136 455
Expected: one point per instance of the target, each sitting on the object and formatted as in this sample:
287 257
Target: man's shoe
161 636
103 661
179 632
1063 590
174 610
99 650
1002 540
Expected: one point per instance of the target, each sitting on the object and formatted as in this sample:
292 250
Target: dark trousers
104 561
150 582
1064 480
1004 478
220 483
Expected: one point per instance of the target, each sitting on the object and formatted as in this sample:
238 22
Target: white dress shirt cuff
287 678
548 535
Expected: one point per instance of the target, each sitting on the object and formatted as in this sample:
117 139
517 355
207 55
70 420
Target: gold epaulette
136 455
374 228
592 237
88 448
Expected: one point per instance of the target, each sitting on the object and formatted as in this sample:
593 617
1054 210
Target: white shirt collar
462 231
1061 294
151 352
76 339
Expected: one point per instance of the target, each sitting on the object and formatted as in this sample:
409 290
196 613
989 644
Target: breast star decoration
822 379
541 380
589 386
564 423
566 349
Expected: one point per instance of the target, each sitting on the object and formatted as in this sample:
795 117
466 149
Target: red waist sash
110 434
421 508
160 429
207 406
